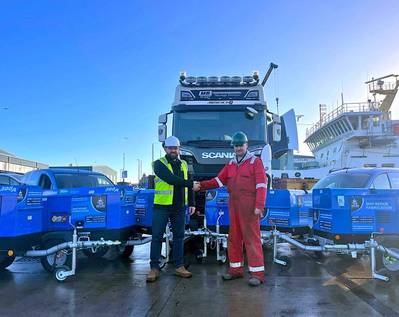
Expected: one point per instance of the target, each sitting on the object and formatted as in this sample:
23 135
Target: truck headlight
186 153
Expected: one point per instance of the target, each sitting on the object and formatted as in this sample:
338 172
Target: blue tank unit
143 210
352 215
21 217
97 210
288 210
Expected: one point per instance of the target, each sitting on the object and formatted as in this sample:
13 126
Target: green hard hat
239 138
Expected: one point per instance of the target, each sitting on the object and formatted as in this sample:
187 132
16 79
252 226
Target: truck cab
205 114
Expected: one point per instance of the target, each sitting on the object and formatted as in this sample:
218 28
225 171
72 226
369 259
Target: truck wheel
100 252
52 261
6 261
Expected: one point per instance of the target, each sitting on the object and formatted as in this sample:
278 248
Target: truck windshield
218 126
344 180
66 180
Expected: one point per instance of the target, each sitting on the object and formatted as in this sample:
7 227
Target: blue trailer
352 215
288 210
84 199
350 205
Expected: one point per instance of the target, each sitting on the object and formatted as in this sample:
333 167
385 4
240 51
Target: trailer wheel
60 275
223 258
199 256
100 252
383 260
163 262
6 261
53 261
391 263
319 255
125 252
288 262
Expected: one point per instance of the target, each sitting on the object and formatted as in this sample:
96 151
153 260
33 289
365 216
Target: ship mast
387 89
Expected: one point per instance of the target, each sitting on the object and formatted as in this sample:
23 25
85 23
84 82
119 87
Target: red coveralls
247 186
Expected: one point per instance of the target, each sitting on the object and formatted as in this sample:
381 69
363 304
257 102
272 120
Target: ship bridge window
365 123
354 122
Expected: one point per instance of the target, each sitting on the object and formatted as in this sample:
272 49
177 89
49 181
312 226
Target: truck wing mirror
163 118
266 157
162 132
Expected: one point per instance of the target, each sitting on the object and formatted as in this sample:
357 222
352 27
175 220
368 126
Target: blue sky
80 76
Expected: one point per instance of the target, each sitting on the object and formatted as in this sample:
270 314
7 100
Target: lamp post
125 138
139 170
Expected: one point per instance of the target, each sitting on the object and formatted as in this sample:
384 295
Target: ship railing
349 107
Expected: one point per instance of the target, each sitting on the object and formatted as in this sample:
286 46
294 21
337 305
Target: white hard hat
171 141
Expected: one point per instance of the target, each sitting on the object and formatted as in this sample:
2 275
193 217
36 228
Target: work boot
182 272
230 277
253 281
153 275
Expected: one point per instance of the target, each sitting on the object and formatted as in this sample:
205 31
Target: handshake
197 186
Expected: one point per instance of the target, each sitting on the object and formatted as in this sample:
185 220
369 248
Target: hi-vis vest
164 191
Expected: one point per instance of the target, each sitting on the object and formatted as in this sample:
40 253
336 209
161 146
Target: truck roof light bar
213 80
236 80
225 79
201 80
191 80
219 81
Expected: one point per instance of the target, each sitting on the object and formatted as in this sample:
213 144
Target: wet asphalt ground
332 286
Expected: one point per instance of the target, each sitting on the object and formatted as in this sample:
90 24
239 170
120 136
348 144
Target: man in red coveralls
246 182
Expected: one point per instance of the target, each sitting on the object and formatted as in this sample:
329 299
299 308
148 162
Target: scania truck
207 111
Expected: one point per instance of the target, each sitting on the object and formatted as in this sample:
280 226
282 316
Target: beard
173 155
